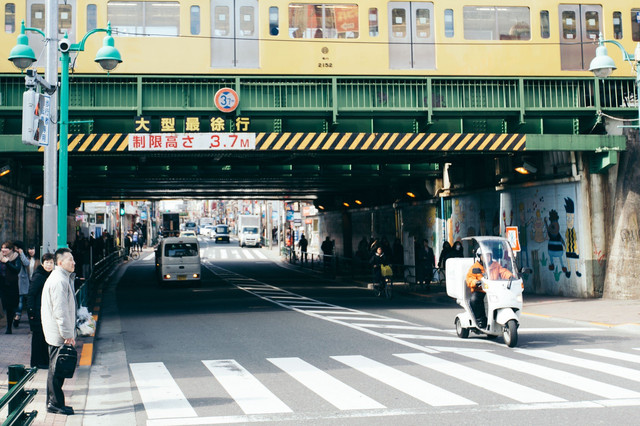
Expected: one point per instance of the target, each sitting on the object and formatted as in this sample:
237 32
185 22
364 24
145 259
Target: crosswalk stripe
369 319
612 354
553 375
412 386
335 392
224 254
615 370
151 256
247 254
481 379
261 255
236 254
425 337
251 395
398 327
160 394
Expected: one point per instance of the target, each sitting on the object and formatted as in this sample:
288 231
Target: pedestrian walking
425 262
327 251
58 314
23 282
39 348
10 266
303 243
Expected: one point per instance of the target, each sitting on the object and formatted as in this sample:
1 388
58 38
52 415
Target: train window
617 25
635 24
194 17
568 25
37 16
323 21
247 20
373 22
399 23
221 21
423 23
448 22
544 24
593 24
274 24
65 15
137 18
496 23
9 18
92 17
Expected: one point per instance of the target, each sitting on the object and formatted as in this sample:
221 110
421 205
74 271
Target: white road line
251 395
151 256
481 379
412 386
236 253
261 255
556 329
368 319
160 394
224 254
335 392
612 354
614 370
248 254
424 337
557 376
398 327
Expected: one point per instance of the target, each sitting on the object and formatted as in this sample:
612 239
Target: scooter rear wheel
510 333
462 332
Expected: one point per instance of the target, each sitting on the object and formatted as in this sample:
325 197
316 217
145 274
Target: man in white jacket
58 315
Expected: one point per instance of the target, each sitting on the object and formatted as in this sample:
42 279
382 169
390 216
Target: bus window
65 18
617 25
247 20
423 23
635 24
37 16
399 23
544 24
221 24
9 18
568 25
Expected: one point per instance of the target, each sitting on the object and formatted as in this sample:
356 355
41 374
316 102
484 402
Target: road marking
335 392
553 375
612 354
247 254
236 253
151 256
160 394
614 370
424 337
251 395
368 319
481 379
412 386
224 254
261 255
399 327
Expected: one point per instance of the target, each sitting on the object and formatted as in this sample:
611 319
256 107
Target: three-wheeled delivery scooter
495 270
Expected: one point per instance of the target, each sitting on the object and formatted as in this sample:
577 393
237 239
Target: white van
178 259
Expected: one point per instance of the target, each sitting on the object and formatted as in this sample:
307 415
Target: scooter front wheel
510 333
462 332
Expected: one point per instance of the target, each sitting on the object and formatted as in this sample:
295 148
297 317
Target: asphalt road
260 343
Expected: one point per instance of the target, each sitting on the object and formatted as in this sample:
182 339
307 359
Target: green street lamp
602 65
22 55
108 58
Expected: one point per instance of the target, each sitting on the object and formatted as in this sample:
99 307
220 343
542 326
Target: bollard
16 373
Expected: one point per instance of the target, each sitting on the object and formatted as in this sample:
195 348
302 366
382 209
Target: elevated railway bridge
453 143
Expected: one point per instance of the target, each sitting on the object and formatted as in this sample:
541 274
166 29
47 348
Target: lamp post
108 58
602 65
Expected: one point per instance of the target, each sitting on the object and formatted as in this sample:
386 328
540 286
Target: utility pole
50 205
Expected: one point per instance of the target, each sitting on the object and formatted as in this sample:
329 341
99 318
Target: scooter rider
474 276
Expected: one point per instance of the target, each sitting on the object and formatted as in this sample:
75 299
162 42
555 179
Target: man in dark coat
39 348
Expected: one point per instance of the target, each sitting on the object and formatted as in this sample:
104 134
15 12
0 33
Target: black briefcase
66 362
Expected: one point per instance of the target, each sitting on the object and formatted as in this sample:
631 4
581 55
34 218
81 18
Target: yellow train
373 37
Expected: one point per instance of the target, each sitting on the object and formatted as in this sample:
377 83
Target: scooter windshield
498 259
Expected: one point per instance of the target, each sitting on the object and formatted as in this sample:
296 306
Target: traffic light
121 209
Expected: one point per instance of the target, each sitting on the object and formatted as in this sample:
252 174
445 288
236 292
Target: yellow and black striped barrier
450 142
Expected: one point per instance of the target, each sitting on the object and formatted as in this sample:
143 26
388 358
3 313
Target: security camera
64 45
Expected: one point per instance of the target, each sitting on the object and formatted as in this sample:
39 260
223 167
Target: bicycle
133 255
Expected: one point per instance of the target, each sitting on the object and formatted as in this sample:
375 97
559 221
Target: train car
300 37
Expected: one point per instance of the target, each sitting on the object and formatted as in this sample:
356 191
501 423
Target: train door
411 35
234 34
579 29
36 19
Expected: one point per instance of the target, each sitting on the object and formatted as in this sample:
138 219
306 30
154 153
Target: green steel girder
422 101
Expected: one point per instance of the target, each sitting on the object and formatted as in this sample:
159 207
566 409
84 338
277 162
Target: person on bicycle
377 260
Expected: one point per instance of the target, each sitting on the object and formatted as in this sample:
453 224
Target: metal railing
17 398
101 269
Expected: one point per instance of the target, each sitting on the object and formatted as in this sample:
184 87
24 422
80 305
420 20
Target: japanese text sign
191 141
